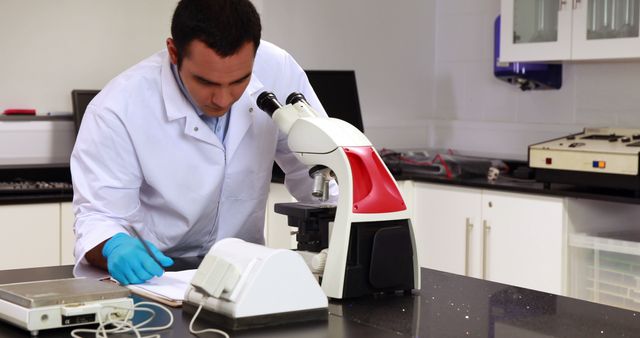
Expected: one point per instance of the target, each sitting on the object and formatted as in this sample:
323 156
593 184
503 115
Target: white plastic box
605 268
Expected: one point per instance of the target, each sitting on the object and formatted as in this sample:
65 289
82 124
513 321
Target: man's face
214 82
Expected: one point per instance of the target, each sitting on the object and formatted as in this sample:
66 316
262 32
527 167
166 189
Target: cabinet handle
485 239
576 3
467 241
562 4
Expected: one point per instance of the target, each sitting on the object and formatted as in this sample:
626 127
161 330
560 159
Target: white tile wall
52 47
390 45
474 110
424 70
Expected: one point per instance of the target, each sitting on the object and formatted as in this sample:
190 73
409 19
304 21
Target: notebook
169 289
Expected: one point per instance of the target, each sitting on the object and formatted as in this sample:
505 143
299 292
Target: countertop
530 186
503 183
448 305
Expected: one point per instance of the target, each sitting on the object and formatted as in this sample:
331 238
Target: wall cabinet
510 238
545 30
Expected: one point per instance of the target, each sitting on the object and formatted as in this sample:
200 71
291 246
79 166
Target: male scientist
176 150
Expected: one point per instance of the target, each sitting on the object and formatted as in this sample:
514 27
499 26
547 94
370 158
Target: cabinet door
446 221
31 235
278 234
524 236
606 29
67 236
535 30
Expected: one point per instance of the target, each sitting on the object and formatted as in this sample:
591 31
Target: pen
144 244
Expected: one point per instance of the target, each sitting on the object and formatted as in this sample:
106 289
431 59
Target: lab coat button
195 128
251 110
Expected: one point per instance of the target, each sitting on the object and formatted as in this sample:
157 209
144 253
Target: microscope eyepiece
268 102
296 97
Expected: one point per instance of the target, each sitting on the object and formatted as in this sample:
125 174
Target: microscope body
372 244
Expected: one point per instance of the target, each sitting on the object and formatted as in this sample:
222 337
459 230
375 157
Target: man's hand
128 261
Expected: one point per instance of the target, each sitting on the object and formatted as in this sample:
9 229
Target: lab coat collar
178 106
243 115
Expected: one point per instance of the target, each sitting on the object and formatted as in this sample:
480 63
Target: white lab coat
144 158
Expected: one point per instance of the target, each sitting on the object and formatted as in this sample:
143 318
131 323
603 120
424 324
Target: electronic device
371 245
338 92
80 99
51 304
602 157
525 75
242 285
21 187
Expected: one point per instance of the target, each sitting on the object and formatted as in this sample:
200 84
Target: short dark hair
223 25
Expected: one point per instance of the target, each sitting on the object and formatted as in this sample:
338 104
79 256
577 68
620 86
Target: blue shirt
218 125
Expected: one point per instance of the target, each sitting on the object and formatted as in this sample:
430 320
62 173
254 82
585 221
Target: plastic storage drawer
605 268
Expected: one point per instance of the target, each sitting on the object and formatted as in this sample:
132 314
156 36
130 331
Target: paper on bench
168 289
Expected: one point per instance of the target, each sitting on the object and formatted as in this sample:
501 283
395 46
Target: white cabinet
544 30
67 237
444 218
510 238
524 239
31 235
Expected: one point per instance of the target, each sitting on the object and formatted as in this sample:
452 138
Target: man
176 149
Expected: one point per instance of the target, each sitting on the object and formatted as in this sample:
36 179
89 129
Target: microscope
369 239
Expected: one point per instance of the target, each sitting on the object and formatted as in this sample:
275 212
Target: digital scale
50 304
602 157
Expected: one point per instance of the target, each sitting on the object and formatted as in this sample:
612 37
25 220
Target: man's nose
222 97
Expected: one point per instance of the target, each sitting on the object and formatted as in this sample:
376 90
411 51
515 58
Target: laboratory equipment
525 75
80 99
602 157
51 304
371 243
242 285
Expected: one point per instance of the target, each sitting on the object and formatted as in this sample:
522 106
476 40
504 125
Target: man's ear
173 51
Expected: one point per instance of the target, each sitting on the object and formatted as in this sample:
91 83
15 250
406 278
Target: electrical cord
124 326
195 315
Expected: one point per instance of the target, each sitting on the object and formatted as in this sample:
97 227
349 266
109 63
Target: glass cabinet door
535 30
535 21
612 19
606 29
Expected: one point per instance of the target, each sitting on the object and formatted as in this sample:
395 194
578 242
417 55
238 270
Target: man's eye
203 81
237 83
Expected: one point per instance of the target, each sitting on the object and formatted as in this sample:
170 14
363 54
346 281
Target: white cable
195 315
123 326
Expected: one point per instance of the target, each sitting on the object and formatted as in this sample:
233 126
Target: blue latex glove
128 261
